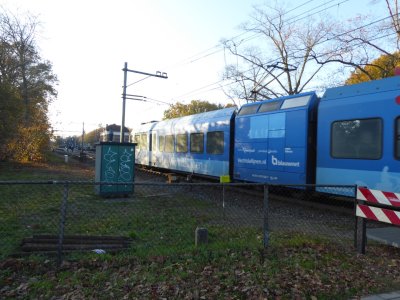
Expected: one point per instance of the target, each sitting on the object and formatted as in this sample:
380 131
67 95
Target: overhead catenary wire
197 90
201 90
253 36
219 47
145 99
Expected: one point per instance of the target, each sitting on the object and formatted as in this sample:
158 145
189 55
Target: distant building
112 133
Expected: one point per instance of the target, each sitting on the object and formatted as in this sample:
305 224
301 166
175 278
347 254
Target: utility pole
83 135
126 70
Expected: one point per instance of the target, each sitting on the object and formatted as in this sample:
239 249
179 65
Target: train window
182 143
169 143
161 143
270 106
296 102
248 110
397 137
215 142
197 142
143 141
357 139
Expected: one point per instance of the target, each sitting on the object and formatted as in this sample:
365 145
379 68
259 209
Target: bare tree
357 43
283 64
293 52
393 9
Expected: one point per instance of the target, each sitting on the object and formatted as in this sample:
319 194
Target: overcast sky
88 42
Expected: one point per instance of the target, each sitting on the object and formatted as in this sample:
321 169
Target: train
348 136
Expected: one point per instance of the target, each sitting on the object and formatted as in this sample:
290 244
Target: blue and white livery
349 136
197 144
359 135
271 140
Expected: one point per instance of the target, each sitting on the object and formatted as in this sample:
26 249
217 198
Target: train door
153 149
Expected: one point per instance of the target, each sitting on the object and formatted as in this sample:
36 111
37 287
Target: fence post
63 212
265 217
223 201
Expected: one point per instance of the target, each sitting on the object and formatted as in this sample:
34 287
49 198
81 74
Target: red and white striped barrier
386 215
378 214
375 196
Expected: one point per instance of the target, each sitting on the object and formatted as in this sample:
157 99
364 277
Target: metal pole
63 212
361 235
125 69
223 201
265 217
355 217
360 231
83 135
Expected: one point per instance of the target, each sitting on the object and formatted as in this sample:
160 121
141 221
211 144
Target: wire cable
277 59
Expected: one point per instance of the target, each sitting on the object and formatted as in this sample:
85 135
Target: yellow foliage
29 143
379 68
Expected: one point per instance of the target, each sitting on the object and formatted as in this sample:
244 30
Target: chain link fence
41 217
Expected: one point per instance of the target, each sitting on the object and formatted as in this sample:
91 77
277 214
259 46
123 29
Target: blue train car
359 135
273 140
143 150
197 144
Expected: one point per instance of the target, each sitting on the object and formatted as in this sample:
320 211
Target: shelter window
143 141
182 143
397 137
197 142
169 143
215 142
161 143
248 110
270 106
357 139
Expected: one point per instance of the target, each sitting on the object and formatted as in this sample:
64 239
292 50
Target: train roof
281 103
364 88
144 127
220 115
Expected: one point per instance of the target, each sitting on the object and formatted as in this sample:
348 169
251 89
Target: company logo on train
351 135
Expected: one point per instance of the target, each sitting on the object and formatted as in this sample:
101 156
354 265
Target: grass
156 224
236 273
162 261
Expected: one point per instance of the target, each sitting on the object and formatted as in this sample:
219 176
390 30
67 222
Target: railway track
83 156
289 210
290 196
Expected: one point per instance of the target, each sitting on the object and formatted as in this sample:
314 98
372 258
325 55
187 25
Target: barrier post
355 217
361 235
374 205
265 218
360 231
